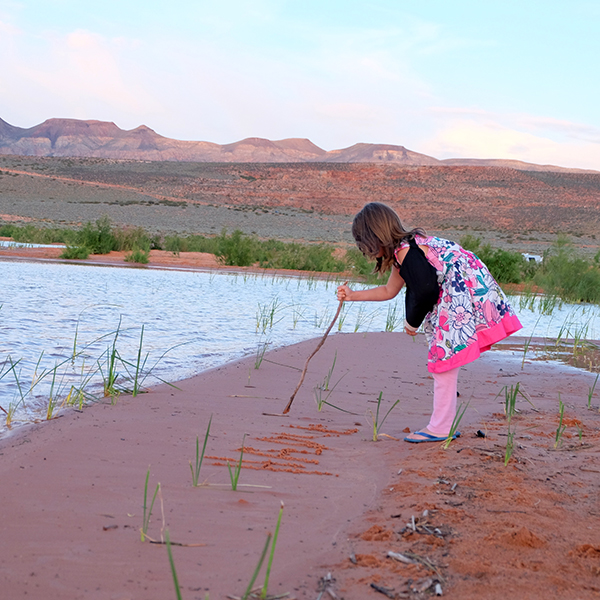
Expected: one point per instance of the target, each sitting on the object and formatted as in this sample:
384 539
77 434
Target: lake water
11 244
192 321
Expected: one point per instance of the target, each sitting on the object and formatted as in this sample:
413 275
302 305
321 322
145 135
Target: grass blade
235 474
172 563
271 556
258 566
561 428
147 513
196 468
455 423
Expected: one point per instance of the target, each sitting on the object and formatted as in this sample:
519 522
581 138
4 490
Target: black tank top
422 288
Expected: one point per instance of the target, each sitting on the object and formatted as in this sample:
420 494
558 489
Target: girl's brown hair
377 227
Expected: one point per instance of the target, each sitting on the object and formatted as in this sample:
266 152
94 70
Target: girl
448 289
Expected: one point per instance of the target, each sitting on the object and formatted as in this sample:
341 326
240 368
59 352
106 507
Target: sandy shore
72 488
158 259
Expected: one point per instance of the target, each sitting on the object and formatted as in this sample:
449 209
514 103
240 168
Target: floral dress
472 312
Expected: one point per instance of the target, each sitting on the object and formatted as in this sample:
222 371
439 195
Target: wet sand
72 488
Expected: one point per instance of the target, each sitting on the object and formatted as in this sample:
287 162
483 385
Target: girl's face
380 253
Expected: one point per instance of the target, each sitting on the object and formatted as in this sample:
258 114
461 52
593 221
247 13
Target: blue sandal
427 437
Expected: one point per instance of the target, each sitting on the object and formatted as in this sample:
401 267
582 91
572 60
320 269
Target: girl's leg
444 401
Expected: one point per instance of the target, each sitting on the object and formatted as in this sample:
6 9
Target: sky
516 79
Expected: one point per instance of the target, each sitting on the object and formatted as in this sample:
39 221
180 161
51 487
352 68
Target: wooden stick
286 410
153 541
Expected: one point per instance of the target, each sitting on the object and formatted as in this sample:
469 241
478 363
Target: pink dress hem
485 339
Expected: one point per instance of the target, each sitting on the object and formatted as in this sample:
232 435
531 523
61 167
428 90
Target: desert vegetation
563 274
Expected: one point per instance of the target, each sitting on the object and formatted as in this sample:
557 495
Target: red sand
72 489
199 260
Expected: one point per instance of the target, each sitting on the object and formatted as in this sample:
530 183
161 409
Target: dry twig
286 410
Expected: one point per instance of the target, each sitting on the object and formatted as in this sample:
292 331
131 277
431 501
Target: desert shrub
504 265
239 249
30 234
132 238
236 249
316 257
304 257
156 242
175 244
191 243
361 266
7 229
75 252
98 238
138 256
56 235
568 275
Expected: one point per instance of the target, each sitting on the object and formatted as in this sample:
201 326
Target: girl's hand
410 329
343 292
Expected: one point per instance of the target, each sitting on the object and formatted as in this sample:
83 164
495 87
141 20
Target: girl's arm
383 292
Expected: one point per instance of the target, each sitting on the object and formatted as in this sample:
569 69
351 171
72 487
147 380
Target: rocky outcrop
102 139
380 153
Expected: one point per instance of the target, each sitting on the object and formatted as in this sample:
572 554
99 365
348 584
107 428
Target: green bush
361 266
190 243
274 254
504 265
562 273
239 249
199 243
236 249
7 230
29 234
138 256
567 275
75 252
98 238
175 244
132 238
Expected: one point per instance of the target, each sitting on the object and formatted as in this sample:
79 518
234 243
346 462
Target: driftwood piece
286 410
389 592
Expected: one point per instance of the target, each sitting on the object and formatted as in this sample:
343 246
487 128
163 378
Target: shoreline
73 487
561 355
159 259
186 261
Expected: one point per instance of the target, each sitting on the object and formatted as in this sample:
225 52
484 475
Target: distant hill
380 153
102 139
276 200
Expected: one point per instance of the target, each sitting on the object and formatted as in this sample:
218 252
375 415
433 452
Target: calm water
11 244
201 320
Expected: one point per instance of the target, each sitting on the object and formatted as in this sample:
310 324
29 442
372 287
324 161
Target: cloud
89 69
479 138
348 111
568 129
546 126
8 29
80 75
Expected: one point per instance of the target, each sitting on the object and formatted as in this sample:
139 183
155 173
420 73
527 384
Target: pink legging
444 401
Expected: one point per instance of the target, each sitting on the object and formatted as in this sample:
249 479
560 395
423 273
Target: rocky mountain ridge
102 139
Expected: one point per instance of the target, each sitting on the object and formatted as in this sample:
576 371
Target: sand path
72 489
